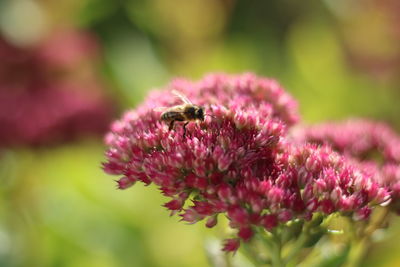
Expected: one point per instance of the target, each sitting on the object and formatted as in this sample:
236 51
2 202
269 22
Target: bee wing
160 109
182 97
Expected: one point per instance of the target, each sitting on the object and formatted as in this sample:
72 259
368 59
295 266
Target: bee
185 112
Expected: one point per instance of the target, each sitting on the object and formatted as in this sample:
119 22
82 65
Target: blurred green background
339 58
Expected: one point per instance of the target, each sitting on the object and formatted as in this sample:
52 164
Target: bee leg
184 129
171 125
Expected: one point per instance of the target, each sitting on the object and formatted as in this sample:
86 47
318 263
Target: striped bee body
172 115
186 112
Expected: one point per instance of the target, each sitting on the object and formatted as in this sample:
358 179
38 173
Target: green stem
249 252
276 255
296 249
276 258
272 243
298 246
362 240
358 249
228 260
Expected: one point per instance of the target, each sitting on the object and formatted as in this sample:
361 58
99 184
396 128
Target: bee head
200 113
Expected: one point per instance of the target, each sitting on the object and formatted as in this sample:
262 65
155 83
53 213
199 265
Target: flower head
245 93
373 146
357 138
238 162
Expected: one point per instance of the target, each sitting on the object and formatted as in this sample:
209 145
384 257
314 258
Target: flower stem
362 241
298 246
276 258
276 252
300 242
273 244
251 255
357 252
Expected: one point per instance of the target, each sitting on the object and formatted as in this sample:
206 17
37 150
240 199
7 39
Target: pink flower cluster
243 92
49 92
238 162
373 146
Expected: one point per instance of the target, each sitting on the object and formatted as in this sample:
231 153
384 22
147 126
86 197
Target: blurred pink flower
357 138
237 162
374 146
50 92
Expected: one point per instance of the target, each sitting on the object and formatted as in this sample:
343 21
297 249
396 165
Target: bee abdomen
172 115
165 116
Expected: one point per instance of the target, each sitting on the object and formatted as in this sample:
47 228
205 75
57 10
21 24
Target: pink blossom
251 97
356 138
373 146
238 162
231 245
49 92
245 233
